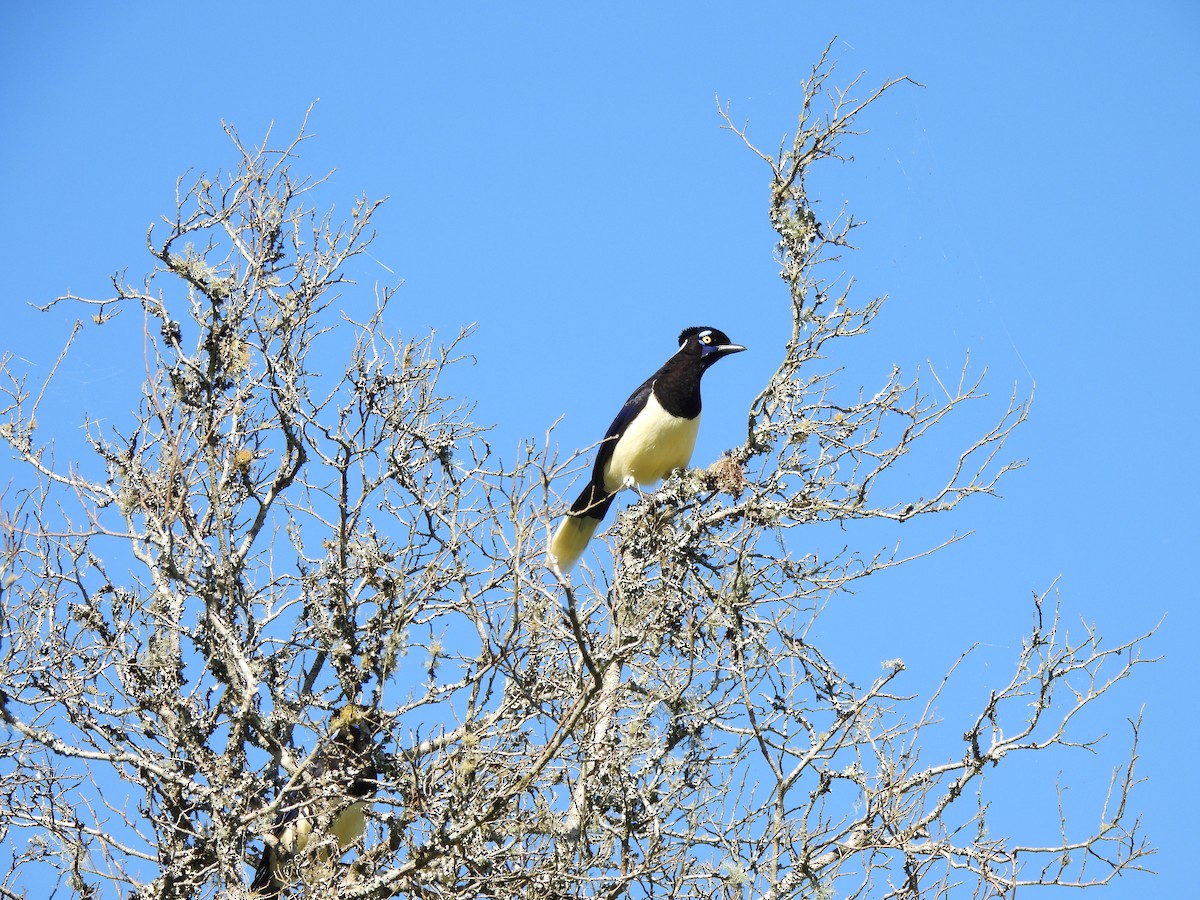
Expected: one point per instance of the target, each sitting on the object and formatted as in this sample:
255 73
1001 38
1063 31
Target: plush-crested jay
652 436
338 786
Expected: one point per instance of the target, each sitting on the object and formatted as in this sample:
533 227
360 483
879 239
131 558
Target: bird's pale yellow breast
655 445
348 826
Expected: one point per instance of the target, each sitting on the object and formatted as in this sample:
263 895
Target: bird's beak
726 349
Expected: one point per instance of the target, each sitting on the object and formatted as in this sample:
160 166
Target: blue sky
557 175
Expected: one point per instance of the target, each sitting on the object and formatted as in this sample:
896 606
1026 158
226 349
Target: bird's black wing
266 875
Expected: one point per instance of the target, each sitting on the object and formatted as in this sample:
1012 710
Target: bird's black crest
718 336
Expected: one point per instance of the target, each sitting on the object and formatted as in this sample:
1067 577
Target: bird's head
710 344
354 729
355 720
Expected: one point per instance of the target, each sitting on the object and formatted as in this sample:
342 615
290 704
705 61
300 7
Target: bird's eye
707 338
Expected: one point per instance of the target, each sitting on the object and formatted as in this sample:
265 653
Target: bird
652 436
338 784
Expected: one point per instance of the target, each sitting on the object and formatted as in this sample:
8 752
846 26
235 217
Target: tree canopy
300 518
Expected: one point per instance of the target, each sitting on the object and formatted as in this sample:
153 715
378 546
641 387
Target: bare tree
268 543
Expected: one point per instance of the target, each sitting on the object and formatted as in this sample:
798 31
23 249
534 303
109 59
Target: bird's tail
267 884
572 536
